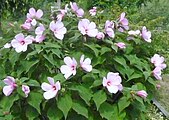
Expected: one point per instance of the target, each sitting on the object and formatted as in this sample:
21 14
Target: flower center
22 42
54 87
109 83
73 67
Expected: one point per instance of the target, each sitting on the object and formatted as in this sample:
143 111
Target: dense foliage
96 67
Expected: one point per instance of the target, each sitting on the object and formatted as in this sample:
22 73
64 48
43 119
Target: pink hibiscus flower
20 43
146 35
85 64
78 11
87 28
33 14
58 29
70 67
51 89
158 61
11 85
112 82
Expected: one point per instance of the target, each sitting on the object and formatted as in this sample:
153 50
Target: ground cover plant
75 64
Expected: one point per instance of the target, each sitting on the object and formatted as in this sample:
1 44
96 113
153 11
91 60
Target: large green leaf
54 113
108 111
120 60
7 102
99 97
84 92
65 104
93 47
80 108
123 103
35 99
31 112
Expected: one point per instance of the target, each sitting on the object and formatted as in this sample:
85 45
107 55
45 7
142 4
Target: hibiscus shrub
72 64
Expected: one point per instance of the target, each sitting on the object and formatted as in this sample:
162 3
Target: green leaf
54 113
51 45
93 48
65 104
13 57
121 61
108 111
7 102
32 82
84 92
99 97
57 52
80 108
134 76
123 103
34 99
104 50
28 64
31 112
114 47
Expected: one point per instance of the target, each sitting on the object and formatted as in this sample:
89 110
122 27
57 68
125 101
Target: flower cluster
11 85
159 64
71 66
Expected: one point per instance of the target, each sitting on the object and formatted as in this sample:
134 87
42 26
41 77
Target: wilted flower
70 67
51 89
85 64
121 45
58 29
142 94
87 28
33 14
112 82
158 61
93 11
11 85
26 90
157 73
21 42
78 11
146 35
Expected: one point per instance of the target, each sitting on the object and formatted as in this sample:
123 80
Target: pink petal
110 32
68 61
87 68
9 80
39 14
7 90
51 80
81 59
92 32
58 86
32 11
46 87
26 90
19 37
104 82
80 12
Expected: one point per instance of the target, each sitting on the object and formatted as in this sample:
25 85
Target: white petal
50 94
112 89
